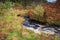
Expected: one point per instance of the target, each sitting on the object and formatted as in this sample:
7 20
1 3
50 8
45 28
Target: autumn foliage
53 12
49 13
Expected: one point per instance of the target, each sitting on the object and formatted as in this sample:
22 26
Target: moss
57 38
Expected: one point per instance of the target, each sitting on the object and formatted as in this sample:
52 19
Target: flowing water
37 27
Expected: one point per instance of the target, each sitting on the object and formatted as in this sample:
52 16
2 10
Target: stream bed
37 27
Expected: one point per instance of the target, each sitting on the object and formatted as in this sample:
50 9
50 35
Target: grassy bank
11 27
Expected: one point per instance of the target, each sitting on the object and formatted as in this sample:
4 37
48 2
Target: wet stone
44 28
30 23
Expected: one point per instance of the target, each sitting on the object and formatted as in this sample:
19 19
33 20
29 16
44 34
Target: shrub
6 5
37 13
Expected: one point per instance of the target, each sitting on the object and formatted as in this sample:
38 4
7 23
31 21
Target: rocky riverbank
38 28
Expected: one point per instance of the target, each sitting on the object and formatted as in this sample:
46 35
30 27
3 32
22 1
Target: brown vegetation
53 12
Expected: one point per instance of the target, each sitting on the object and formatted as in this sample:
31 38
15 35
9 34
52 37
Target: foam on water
38 28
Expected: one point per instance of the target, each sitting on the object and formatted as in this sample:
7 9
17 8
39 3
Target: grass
11 26
57 38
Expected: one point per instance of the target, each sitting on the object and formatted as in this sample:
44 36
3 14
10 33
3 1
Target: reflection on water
52 1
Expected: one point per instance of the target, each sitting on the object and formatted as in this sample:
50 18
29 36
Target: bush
37 13
6 5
